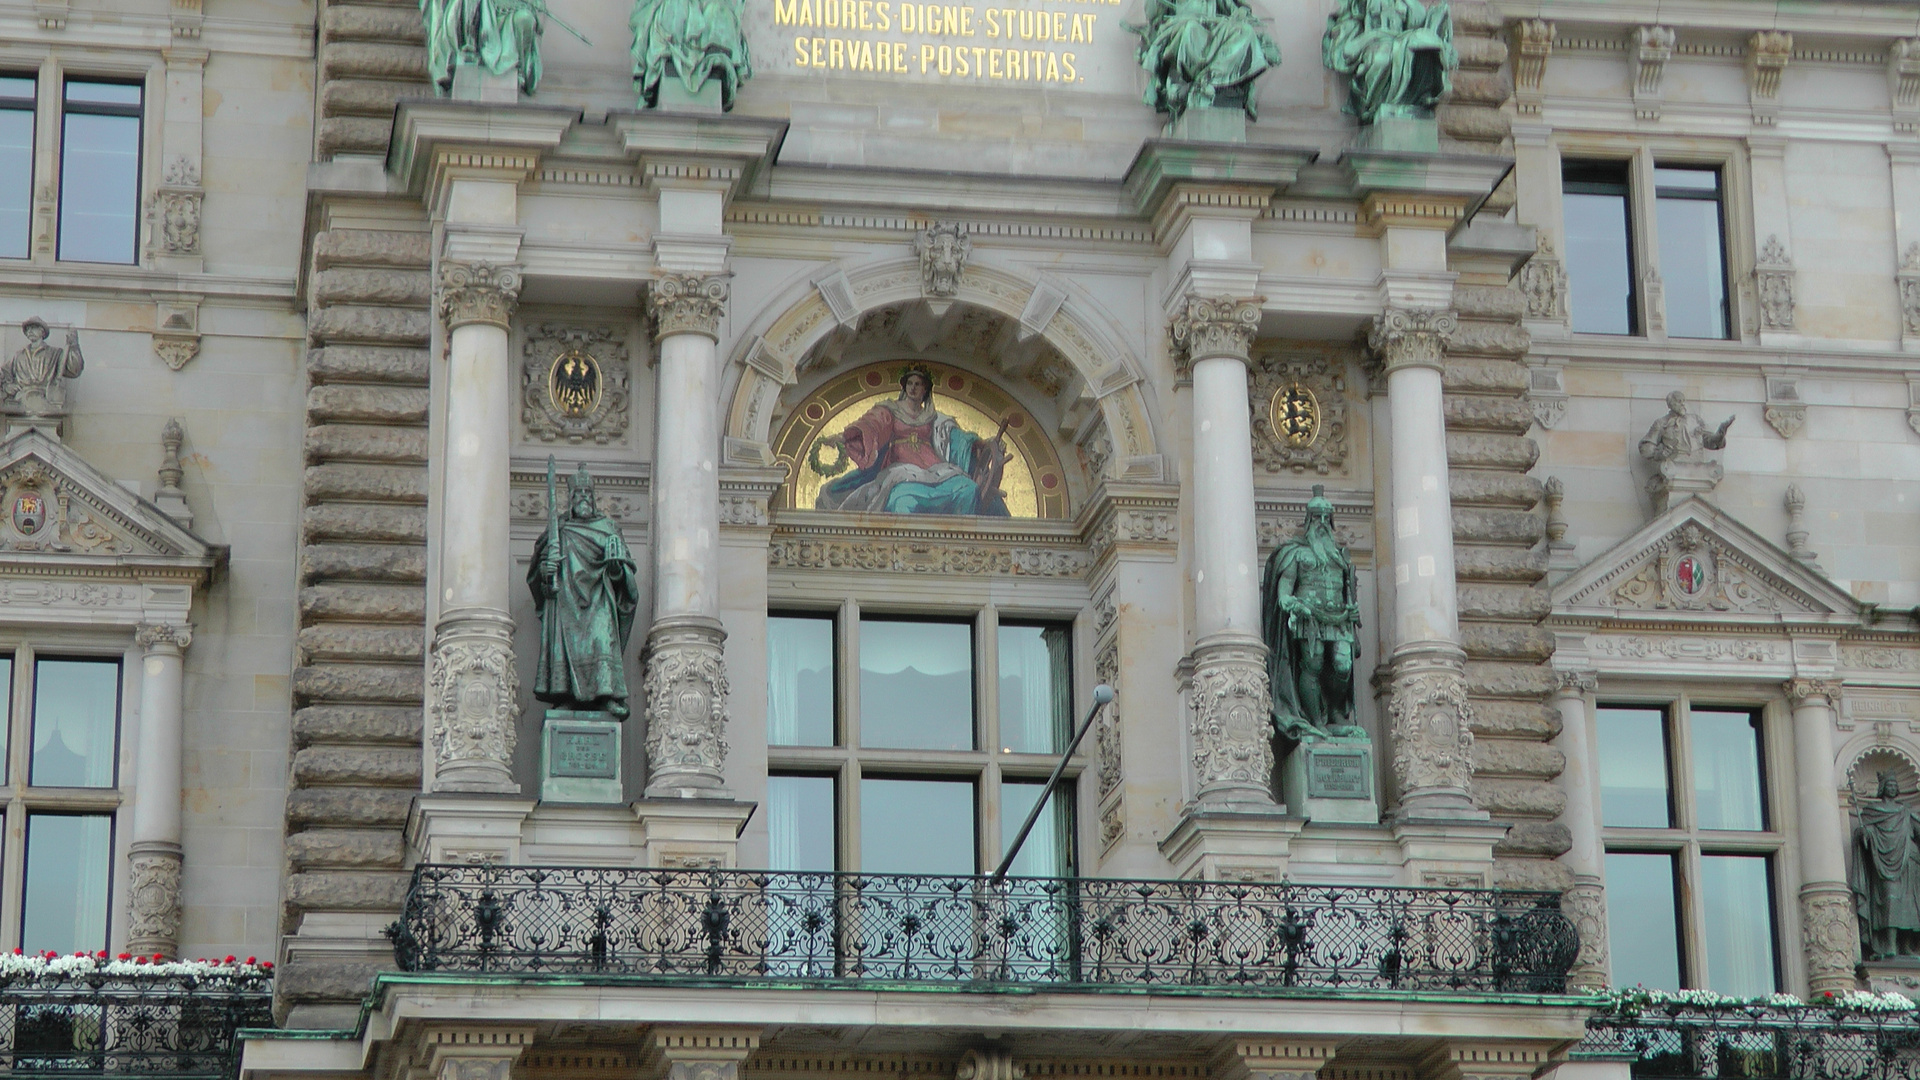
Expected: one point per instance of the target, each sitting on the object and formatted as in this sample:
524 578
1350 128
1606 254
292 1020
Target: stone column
1585 902
1827 928
1428 712
686 681
1230 705
473 690
153 859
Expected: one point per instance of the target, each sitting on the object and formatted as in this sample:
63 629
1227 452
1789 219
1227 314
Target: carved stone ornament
153 902
1650 47
1299 405
687 304
1586 904
1767 54
1106 669
1909 281
477 293
943 247
163 637
1432 727
473 708
687 691
1229 710
1795 502
1547 394
1554 495
1693 571
33 381
173 216
1214 326
46 512
574 384
1543 281
1411 337
176 350
1773 282
1913 403
1824 692
1831 936
1532 45
1786 410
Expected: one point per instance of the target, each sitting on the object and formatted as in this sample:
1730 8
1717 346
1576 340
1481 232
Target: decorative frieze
1650 47
473 705
686 687
477 292
574 384
1773 283
1636 647
943 248
1229 723
687 304
925 557
1206 327
1411 337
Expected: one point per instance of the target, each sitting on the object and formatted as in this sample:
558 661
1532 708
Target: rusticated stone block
1474 412
1476 487
1480 86
1481 375
1476 17
360 849
373 60
367 97
1481 54
351 135
1505 641
373 247
366 442
1541 839
367 404
348 806
354 22
1496 303
1493 339
373 285
1526 565
372 523
1502 680
339 890
1519 798
349 641
1530 873
306 980
1473 123
1508 603
366 483
399 724
366 766
355 602
1500 717
369 325
1479 450
363 562
1511 757
367 363
359 682
1475 525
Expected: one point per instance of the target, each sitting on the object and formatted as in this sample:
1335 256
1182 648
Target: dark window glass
1736 896
1692 251
916 685
916 826
1036 688
800 680
800 829
68 860
1633 768
100 172
1643 920
1726 770
1048 851
1598 223
76 706
6 713
16 165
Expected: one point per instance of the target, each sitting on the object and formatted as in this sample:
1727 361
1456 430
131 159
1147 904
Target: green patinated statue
1398 56
1309 616
1886 874
586 590
692 40
1202 54
499 36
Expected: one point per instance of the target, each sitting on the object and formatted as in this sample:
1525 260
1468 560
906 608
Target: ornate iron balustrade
107 1025
742 926
1758 1042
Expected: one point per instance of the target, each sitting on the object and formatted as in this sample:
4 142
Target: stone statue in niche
912 459
1886 874
33 382
1678 445
1310 618
1202 54
691 40
586 590
1397 55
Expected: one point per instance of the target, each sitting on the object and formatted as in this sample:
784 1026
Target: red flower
229 958
268 966
251 960
126 956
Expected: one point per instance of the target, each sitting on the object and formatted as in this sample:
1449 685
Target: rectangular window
1692 250
69 858
1736 899
1595 206
17 101
1633 767
1726 770
800 831
1036 667
916 826
1643 920
916 685
800 680
1048 851
100 172
76 711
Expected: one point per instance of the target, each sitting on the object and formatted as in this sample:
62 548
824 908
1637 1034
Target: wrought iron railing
1070 933
1758 1042
97 1025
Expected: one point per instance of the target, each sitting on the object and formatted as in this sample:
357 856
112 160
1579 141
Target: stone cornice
728 153
438 140
1231 171
477 293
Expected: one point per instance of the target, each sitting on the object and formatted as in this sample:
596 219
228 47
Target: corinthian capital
477 293
687 304
1411 337
1206 327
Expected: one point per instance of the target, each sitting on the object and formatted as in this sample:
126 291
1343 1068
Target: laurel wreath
835 469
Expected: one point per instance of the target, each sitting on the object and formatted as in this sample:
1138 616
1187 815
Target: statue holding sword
500 36
586 590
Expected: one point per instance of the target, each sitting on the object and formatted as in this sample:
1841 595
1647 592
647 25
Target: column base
1586 904
473 704
691 833
153 898
686 708
1431 729
580 758
1230 723
1829 933
1243 843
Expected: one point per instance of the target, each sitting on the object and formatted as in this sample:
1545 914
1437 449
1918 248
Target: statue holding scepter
586 589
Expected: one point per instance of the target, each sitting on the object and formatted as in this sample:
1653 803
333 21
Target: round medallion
1690 575
476 699
574 383
1295 415
29 512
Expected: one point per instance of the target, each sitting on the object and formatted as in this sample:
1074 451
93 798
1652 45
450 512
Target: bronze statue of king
586 589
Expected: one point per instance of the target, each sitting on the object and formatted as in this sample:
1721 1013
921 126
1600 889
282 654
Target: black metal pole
1102 694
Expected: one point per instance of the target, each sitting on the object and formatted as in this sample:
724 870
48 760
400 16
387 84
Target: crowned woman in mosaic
911 458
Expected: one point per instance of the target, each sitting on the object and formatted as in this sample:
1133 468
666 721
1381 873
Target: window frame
1687 842
32 110
847 762
139 114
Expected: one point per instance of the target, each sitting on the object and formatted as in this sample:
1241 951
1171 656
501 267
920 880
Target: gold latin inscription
1016 44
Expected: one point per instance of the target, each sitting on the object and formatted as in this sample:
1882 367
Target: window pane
1643 927
916 685
16 175
1726 770
1738 902
1633 767
75 704
81 92
1048 850
1599 262
68 856
916 826
99 187
18 87
799 681
1036 686
6 713
1691 267
800 834
1670 176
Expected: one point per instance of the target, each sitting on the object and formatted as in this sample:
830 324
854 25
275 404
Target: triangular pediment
1695 562
54 507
